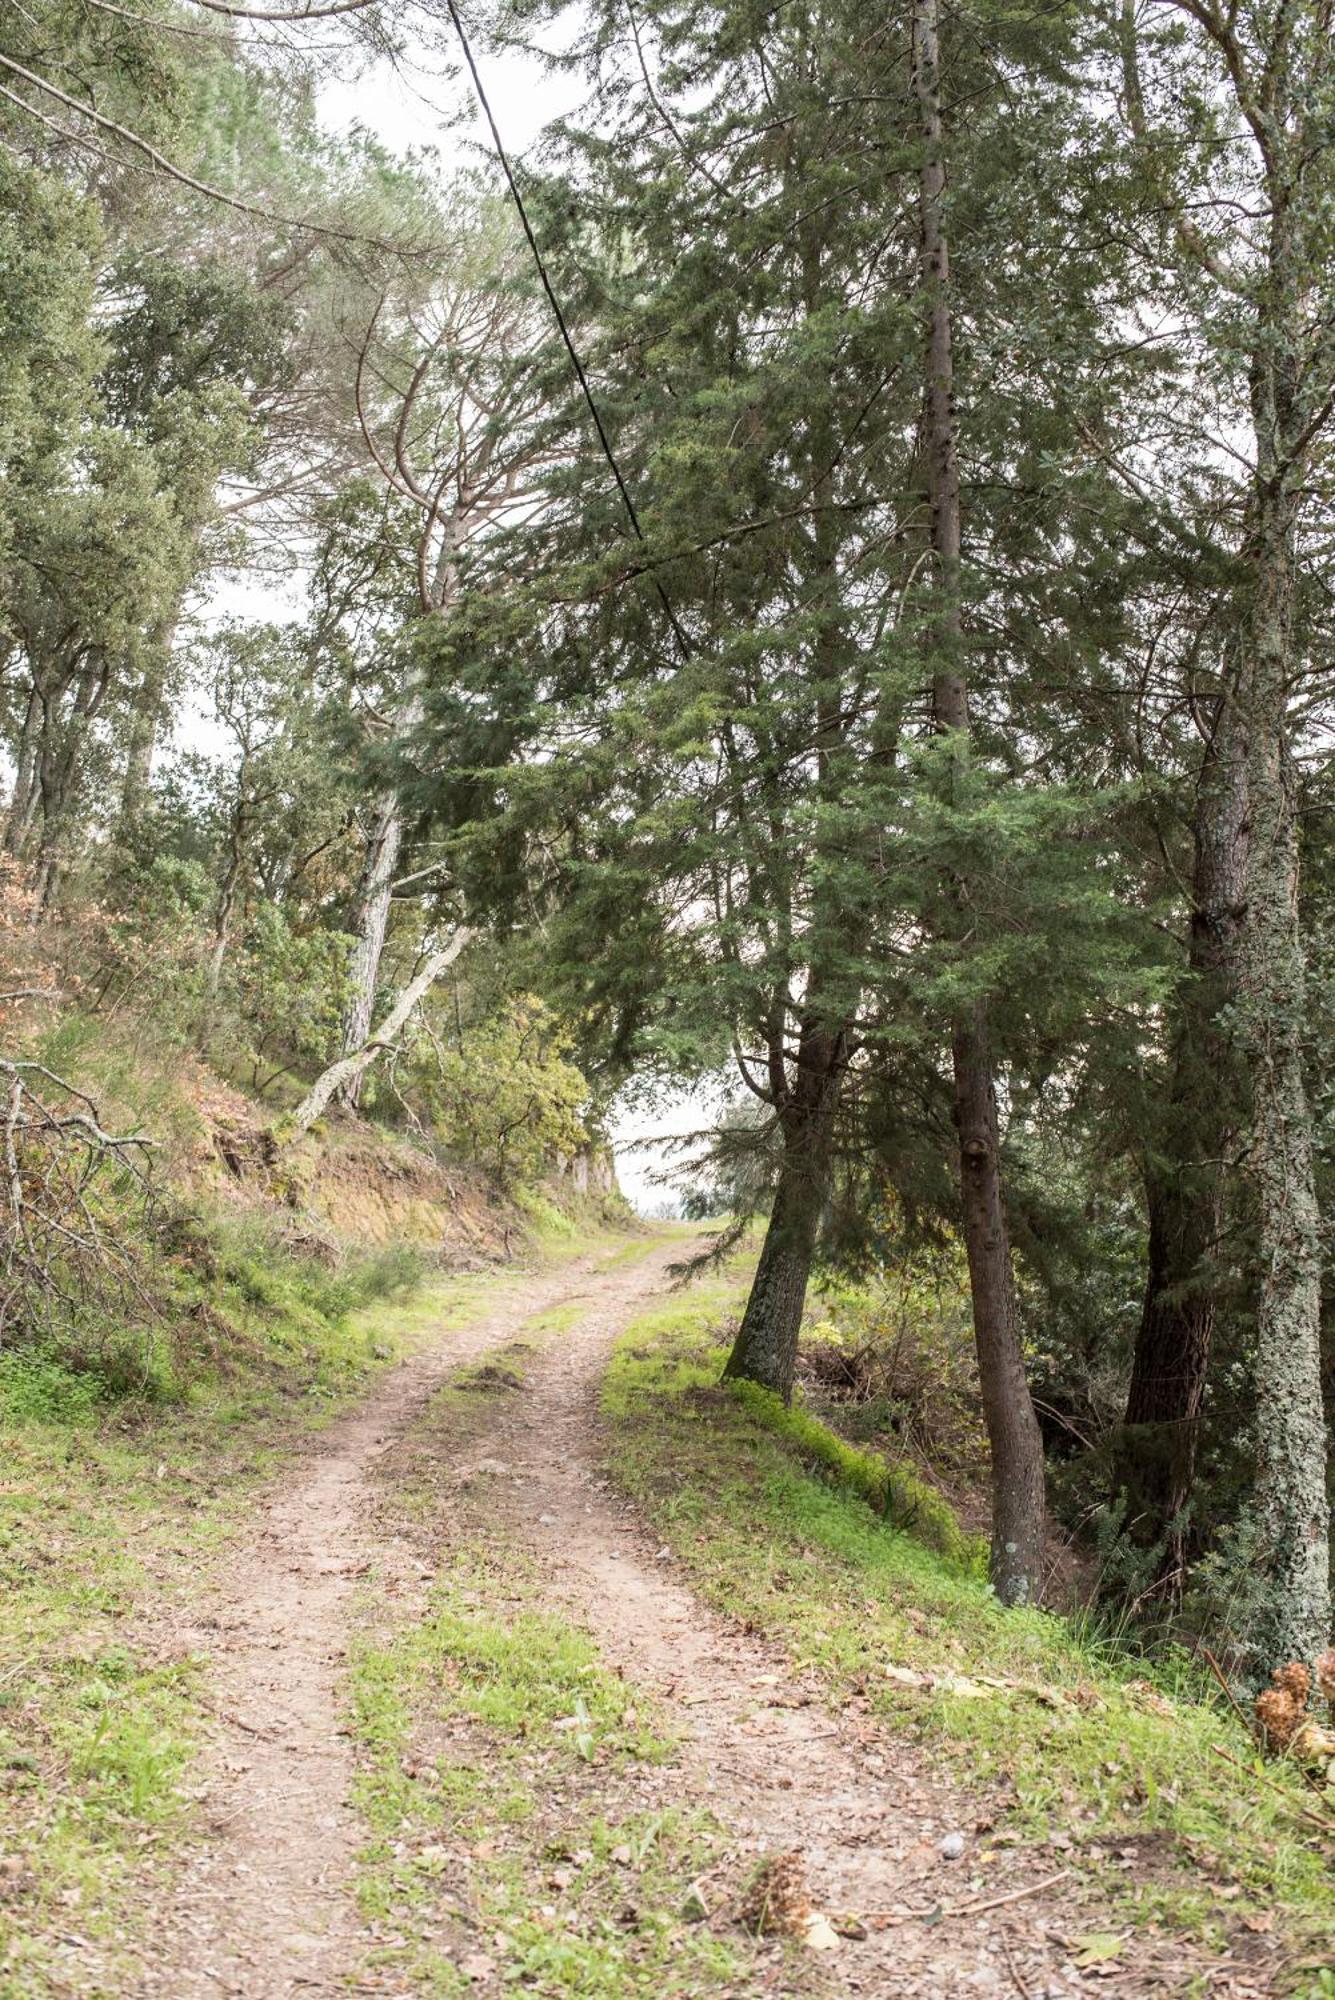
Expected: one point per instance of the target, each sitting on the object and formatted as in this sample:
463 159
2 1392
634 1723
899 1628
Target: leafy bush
897 1357
287 988
38 1387
505 1095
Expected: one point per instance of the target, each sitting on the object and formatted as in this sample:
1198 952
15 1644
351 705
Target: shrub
505 1096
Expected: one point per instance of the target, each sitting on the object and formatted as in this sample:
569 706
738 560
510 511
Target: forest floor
467 1725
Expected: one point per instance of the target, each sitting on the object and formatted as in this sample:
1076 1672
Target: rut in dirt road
264 1908
865 1810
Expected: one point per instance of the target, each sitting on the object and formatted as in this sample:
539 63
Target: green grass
506 1823
895 1492
772 1523
111 1500
499 1839
125 1459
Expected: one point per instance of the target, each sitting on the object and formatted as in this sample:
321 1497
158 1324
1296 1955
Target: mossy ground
1086 1748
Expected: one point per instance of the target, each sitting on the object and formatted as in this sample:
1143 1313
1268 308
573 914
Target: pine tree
1263 295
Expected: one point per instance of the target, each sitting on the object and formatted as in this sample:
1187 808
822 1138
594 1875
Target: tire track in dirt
782 1772
262 1908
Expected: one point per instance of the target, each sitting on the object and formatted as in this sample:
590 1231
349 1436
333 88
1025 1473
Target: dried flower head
777 1900
1278 1714
1295 1679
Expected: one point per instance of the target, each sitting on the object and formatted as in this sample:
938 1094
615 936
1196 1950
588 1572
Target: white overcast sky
418 106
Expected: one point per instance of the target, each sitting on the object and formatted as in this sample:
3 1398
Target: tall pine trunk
1012 1425
1291 1618
765 1350
1186 1173
371 922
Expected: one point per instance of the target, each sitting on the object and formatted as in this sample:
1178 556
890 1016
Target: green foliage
690 773
286 986
503 1094
39 1387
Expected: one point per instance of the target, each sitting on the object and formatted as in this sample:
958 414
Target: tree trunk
1291 1619
1012 1426
1185 1179
145 721
341 1073
59 755
222 916
765 1350
55 774
373 901
23 805
1013 1434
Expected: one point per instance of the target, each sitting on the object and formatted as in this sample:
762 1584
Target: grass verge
772 1525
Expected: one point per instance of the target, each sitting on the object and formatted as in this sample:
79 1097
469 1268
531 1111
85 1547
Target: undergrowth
771 1521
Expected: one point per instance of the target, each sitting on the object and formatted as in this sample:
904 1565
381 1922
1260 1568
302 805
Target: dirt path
263 1910
781 1771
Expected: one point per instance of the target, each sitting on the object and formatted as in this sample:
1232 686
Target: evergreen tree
1259 83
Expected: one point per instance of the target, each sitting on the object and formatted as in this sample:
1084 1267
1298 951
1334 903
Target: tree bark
1155 1462
1291 1605
145 721
341 1073
222 916
1012 1425
23 805
765 1349
372 920
59 752
1291 1618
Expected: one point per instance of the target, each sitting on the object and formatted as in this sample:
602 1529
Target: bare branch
321 13
168 167
346 1071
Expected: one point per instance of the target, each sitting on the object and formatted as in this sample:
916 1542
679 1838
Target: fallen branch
348 1068
53 1147
1015 1896
889 1919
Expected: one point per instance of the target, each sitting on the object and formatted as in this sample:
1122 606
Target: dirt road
263 1908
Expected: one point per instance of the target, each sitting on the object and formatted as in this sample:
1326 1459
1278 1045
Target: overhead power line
683 643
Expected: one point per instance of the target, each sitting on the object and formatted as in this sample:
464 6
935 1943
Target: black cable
683 642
